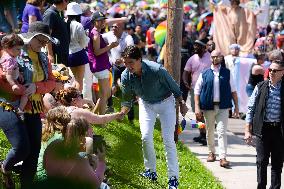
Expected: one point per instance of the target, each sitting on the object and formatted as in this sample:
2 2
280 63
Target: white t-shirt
79 39
124 41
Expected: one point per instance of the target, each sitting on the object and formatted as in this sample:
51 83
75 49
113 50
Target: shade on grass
125 159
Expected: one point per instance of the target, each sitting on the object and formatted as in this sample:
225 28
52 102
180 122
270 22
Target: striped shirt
272 107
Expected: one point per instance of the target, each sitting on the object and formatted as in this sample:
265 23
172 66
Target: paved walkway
242 174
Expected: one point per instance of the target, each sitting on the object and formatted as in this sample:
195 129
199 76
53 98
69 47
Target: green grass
125 159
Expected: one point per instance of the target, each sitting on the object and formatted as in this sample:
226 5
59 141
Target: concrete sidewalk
242 173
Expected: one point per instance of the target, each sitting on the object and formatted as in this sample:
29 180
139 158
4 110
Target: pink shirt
195 65
9 64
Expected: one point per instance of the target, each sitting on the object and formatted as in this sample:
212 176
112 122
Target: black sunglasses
274 70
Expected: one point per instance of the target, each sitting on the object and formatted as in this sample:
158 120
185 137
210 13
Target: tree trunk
173 44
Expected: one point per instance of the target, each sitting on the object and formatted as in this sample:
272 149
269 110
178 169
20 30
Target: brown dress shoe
211 157
224 162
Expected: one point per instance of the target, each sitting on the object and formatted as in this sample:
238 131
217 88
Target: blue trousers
25 139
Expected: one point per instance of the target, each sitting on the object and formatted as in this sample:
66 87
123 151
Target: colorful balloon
160 33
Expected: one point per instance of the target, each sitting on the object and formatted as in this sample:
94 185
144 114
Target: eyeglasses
274 70
42 42
114 26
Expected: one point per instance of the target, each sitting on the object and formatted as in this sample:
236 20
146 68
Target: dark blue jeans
33 128
25 139
16 134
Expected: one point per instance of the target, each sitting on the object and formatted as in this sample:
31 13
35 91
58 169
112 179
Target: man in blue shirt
265 120
158 94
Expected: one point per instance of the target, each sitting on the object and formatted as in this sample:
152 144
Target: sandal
7 180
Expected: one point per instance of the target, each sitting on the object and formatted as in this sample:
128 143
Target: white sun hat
73 9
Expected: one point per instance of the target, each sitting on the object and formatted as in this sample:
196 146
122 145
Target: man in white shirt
214 91
233 57
118 34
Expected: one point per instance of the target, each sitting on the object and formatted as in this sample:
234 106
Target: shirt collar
277 86
213 68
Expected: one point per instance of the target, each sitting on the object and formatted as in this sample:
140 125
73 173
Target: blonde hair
76 130
35 2
57 119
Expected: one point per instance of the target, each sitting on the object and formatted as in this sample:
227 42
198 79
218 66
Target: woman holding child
25 136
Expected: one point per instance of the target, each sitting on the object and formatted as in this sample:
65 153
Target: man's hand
124 110
186 84
198 113
114 44
183 108
118 61
236 113
248 135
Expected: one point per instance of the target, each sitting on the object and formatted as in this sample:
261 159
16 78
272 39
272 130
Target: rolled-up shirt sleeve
251 105
188 65
198 85
127 93
167 80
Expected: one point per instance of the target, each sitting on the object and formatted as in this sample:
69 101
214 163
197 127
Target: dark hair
56 2
258 54
11 40
66 96
132 52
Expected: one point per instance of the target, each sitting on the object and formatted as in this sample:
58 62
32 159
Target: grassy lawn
125 159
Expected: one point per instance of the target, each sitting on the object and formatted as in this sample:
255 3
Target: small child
12 45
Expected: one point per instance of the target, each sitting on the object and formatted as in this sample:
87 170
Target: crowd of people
62 62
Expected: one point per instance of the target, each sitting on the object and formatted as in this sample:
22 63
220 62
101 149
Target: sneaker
173 183
149 175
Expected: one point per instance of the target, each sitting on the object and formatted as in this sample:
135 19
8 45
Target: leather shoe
224 162
211 157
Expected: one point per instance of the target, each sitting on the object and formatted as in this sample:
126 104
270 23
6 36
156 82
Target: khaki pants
220 116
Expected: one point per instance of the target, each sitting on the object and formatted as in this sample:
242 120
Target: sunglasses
114 26
274 70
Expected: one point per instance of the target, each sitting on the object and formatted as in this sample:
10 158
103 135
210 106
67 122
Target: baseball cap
98 16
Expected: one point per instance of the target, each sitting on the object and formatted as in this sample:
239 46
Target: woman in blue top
31 14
